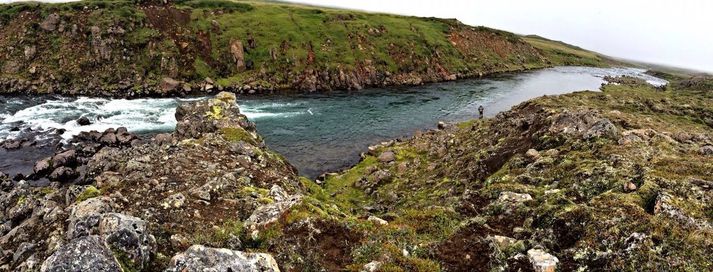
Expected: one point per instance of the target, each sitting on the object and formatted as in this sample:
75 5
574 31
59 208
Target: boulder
169 84
88 253
109 138
83 121
30 52
542 261
706 150
65 158
511 197
269 213
86 215
42 167
50 23
129 236
63 174
602 129
532 155
201 258
387 156
377 220
237 50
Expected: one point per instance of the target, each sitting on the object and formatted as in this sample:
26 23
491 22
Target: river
315 132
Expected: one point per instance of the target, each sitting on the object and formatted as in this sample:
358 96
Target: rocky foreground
612 180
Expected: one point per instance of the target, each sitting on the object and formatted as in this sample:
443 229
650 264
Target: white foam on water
137 115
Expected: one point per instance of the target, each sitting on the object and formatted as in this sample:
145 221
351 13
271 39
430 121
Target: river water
316 132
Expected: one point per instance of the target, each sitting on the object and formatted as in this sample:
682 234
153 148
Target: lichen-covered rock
88 253
269 213
542 261
200 258
129 236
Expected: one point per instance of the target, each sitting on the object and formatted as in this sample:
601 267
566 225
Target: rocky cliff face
612 180
125 49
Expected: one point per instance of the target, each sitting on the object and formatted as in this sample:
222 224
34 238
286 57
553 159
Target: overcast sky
678 33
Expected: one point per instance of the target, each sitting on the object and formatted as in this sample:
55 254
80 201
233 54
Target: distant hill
148 48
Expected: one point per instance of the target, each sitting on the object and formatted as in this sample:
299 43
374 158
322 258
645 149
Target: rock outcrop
200 258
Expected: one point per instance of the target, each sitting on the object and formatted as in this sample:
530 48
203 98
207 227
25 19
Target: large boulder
213 115
200 258
88 253
129 236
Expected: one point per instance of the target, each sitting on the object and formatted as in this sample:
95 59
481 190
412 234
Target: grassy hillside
123 48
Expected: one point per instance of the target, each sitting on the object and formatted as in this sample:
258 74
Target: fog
667 32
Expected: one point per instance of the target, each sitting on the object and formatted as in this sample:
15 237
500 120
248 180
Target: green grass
190 41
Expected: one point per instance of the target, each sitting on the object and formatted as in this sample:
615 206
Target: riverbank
122 49
538 187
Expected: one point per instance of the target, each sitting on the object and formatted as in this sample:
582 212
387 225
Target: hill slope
120 48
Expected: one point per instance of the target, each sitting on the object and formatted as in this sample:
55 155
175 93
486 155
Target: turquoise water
320 132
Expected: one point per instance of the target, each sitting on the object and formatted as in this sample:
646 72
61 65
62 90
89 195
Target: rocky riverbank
611 180
174 48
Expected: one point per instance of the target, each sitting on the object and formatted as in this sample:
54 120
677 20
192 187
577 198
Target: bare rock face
237 50
200 258
88 253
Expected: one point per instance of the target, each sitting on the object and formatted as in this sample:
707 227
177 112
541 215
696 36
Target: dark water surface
319 132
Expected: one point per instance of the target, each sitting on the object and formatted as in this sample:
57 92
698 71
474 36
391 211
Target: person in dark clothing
480 112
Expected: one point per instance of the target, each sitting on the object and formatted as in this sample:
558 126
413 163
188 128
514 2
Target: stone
86 215
88 253
237 50
269 213
502 242
542 261
174 201
179 241
372 266
24 250
129 236
163 138
42 167
706 150
63 174
441 125
513 197
377 220
65 158
108 138
629 186
387 156
50 23
30 52
168 84
532 154
602 129
201 258
83 121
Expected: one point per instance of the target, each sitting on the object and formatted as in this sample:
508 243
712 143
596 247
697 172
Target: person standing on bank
480 112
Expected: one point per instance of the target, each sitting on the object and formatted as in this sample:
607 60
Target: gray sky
677 33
